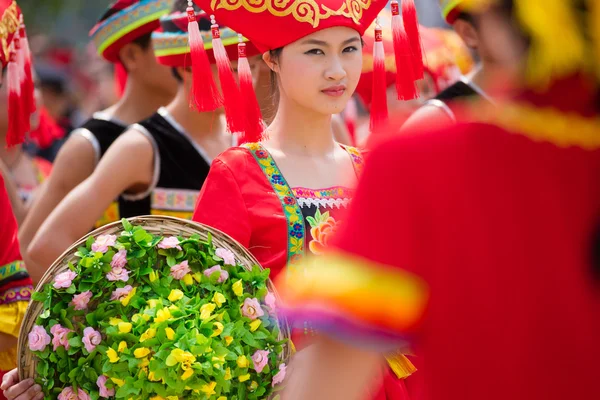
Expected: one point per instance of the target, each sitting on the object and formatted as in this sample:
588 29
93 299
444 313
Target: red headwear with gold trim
16 57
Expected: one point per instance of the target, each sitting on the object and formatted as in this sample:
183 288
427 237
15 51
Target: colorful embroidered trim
174 199
171 44
358 160
111 214
309 11
128 20
11 269
350 287
289 204
9 23
338 192
13 295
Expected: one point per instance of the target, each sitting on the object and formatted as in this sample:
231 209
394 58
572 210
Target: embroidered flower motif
64 280
261 154
38 338
277 179
323 229
81 300
289 200
169 243
103 243
178 271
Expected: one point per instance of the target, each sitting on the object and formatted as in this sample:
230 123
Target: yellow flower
217 329
227 374
122 346
125 327
255 324
244 378
175 295
179 356
144 363
222 398
141 352
118 382
209 388
149 334
152 377
220 317
206 310
197 277
188 280
228 340
187 374
115 321
219 299
153 276
125 300
243 362
146 317
162 315
136 318
238 288
172 398
253 386
170 333
112 355
157 398
153 303
219 359
173 308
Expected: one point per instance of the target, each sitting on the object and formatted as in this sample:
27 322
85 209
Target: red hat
16 57
125 21
171 45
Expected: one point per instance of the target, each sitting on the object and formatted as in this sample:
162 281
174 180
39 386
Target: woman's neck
138 103
197 124
297 129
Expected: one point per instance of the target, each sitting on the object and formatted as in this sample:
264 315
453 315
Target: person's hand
15 390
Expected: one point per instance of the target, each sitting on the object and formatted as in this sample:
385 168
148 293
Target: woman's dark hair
143 41
275 55
176 75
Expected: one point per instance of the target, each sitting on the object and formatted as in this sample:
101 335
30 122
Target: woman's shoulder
238 159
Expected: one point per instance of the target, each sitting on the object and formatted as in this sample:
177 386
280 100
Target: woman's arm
19 209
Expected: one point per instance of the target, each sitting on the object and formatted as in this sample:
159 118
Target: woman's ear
271 63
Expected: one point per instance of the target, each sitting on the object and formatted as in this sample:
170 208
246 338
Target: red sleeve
221 204
9 244
371 281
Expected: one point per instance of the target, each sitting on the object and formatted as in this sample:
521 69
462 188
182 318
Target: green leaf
39 296
89 242
171 261
75 341
127 225
72 289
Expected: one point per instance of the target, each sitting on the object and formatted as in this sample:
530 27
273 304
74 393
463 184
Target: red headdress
15 55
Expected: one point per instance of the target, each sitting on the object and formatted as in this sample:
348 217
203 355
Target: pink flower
60 336
251 309
280 376
91 339
64 280
271 301
81 300
38 338
67 394
104 391
226 255
222 277
169 243
118 274
83 395
178 271
119 260
103 243
120 293
260 360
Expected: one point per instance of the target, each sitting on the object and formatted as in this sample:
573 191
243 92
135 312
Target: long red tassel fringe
16 133
254 123
411 24
379 110
405 75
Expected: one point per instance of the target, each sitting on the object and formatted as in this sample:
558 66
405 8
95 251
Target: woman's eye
350 49
315 52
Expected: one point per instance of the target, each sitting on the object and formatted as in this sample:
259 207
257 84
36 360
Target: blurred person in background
472 86
125 42
162 161
491 254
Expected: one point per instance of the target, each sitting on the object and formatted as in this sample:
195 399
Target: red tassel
204 95
411 24
254 123
232 102
379 110
29 89
15 134
405 75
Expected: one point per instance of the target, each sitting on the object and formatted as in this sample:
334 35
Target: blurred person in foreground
488 263
15 284
474 85
125 41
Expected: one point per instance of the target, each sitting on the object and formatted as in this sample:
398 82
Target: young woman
283 197
162 161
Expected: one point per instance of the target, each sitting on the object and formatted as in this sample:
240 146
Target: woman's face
321 71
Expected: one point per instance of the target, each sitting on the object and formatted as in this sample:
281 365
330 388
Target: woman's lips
334 91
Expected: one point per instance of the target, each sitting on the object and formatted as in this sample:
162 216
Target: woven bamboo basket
155 225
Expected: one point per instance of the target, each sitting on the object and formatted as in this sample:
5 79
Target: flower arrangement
140 316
